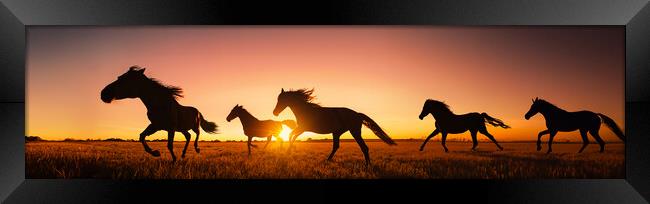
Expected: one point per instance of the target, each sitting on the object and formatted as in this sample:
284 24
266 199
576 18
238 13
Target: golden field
228 160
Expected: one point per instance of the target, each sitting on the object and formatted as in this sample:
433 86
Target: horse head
534 109
281 104
435 108
234 113
126 86
426 110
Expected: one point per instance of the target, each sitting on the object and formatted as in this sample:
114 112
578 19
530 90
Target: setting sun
285 133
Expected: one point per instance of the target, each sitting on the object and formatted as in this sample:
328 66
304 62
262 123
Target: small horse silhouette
564 121
448 122
258 128
163 111
324 120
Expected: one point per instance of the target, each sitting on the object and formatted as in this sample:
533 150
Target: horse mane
439 104
544 102
246 112
171 90
174 91
306 95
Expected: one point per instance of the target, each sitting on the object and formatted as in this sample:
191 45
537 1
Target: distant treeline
33 138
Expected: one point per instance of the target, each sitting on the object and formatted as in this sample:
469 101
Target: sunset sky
385 72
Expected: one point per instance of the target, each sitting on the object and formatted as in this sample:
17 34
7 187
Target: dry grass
228 160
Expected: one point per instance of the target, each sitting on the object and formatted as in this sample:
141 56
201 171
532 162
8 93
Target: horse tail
290 123
612 126
494 122
372 125
207 126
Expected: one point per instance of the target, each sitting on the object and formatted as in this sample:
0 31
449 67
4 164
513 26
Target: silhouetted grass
219 160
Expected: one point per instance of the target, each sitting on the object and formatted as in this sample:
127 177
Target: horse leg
550 141
249 145
434 133
196 141
444 139
149 131
188 137
170 144
585 140
268 140
335 145
364 148
539 139
474 141
489 136
293 139
600 141
293 135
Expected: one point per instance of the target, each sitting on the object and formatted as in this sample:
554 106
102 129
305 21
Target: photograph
325 102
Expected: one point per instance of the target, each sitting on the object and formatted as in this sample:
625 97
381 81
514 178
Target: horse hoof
539 149
198 150
155 153
421 149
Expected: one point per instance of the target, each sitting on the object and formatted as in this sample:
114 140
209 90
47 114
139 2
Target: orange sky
384 72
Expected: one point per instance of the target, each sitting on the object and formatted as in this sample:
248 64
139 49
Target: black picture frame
15 15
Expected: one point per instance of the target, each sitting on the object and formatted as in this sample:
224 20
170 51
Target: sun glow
285 133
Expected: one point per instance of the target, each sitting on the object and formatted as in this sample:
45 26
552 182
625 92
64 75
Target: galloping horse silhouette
164 112
564 121
258 128
324 120
448 122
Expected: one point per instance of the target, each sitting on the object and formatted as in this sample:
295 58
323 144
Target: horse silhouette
558 120
258 128
448 122
163 111
325 120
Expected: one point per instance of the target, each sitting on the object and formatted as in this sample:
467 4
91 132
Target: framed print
106 101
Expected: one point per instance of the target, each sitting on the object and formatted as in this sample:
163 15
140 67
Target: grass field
228 160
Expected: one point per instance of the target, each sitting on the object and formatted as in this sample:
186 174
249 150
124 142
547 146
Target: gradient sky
384 72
